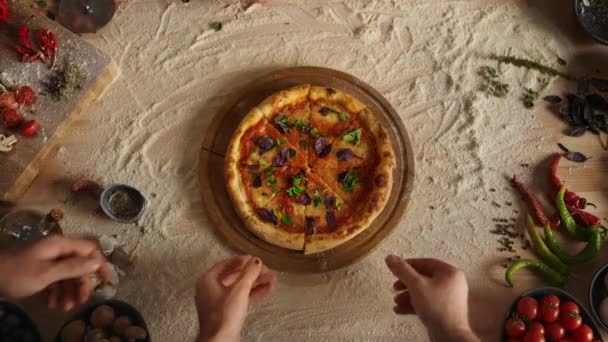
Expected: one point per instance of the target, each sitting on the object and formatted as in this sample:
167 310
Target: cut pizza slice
289 112
281 221
331 114
262 145
329 220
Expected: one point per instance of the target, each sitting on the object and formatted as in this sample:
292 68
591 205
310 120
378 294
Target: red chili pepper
555 221
3 10
584 217
533 202
48 43
24 38
570 197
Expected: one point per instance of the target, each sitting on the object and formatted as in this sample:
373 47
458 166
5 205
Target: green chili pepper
567 220
543 250
553 277
591 250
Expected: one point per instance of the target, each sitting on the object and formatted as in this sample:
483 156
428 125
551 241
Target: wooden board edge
28 175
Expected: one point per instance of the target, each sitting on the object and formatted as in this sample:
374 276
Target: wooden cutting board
221 210
21 166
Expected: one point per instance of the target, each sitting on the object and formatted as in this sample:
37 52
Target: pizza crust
278 101
273 235
337 96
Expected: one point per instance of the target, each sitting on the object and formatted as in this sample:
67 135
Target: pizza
309 168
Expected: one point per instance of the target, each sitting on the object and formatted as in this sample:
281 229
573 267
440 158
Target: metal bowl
120 308
133 198
538 294
7 309
593 18
597 293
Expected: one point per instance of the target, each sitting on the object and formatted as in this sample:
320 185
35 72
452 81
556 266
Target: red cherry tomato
549 308
533 336
569 306
537 327
527 308
11 118
582 334
30 128
25 95
554 331
515 327
570 320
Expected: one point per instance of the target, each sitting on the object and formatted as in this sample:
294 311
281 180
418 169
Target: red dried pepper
584 217
570 197
537 209
3 10
48 43
555 221
26 48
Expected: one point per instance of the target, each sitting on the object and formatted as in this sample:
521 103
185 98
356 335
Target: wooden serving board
220 208
19 167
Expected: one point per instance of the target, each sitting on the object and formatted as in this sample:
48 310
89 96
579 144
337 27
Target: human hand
437 292
61 265
223 295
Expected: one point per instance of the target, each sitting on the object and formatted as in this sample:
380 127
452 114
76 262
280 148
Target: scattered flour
422 55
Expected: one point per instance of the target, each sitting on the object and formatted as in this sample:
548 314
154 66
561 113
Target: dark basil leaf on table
264 143
582 87
322 147
552 99
577 131
345 154
268 215
563 148
596 101
576 157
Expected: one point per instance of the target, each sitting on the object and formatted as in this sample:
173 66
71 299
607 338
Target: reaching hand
223 294
437 292
62 265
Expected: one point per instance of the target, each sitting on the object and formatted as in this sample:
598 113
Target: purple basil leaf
311 224
324 111
268 215
600 84
303 199
282 158
563 148
257 181
582 87
564 111
552 99
322 147
576 157
577 131
281 124
345 154
264 143
329 201
330 217
252 167
342 177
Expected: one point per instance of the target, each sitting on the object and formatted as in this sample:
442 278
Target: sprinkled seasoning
122 205
66 81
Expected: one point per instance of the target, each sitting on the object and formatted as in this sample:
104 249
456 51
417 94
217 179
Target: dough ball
121 324
135 333
73 332
102 317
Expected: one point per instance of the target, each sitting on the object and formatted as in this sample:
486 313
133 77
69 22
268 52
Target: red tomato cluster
11 118
548 321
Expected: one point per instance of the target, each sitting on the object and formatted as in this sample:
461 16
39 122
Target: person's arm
223 295
435 291
60 265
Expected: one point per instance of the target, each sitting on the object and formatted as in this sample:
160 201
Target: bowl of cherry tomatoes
549 314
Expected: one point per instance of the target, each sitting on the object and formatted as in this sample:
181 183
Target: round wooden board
220 209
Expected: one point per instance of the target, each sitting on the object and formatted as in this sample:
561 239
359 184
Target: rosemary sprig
529 64
492 85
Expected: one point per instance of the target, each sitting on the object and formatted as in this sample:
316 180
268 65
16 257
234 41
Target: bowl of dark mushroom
598 296
592 15
107 321
16 325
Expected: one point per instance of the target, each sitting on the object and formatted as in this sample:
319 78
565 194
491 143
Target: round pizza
309 168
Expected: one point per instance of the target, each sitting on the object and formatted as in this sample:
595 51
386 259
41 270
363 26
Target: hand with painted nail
61 265
223 295
435 291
